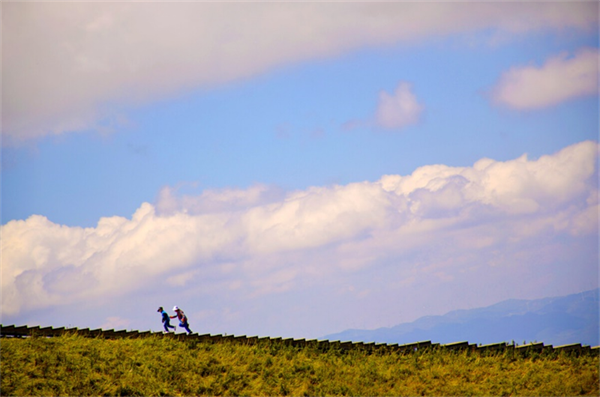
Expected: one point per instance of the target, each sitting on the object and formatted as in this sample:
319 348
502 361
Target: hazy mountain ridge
554 321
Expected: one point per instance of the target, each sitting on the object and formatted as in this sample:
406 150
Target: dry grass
157 366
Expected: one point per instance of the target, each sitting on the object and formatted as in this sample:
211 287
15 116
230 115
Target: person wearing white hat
183 321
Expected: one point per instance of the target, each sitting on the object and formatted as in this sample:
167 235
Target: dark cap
160 309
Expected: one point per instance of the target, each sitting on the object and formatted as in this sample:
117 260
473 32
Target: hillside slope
73 365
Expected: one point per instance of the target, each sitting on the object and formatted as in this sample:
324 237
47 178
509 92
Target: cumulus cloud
217 200
436 227
399 109
77 66
560 79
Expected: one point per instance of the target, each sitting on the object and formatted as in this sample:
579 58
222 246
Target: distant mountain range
553 321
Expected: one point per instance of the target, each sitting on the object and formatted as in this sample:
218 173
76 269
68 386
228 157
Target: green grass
158 366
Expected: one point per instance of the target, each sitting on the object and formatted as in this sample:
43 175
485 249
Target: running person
166 320
183 321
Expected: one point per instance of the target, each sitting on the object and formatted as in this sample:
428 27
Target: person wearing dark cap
166 320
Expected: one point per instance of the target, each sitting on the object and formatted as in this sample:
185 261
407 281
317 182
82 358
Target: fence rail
26 331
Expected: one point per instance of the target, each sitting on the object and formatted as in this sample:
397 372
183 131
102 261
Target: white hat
175 308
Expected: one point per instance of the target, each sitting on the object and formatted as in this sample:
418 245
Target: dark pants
167 325
186 326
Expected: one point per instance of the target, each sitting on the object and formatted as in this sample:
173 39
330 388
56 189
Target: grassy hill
157 366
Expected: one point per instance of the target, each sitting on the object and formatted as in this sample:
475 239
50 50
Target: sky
294 169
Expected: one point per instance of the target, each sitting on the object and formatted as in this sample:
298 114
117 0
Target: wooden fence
26 331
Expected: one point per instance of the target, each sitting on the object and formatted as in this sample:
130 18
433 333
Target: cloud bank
79 66
560 78
519 225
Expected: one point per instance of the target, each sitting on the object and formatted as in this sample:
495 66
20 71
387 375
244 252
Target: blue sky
288 169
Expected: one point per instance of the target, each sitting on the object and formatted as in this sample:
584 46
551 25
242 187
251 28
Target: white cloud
560 79
398 110
74 66
487 228
217 200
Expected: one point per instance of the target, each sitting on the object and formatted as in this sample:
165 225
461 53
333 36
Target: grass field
157 366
